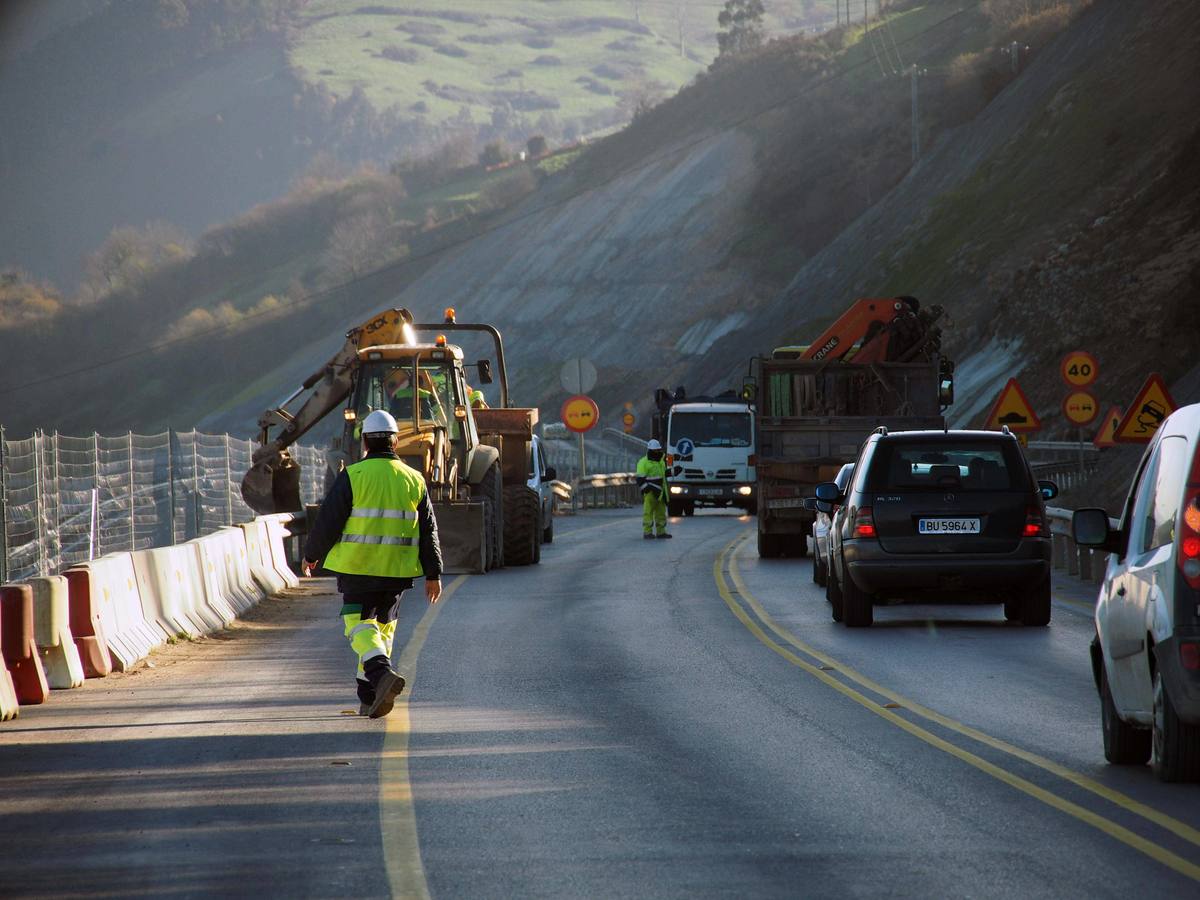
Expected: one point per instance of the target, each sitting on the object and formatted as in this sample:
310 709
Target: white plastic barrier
258 551
237 565
112 582
172 588
52 632
9 707
212 552
277 534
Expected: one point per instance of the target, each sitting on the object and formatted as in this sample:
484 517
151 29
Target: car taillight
1189 530
864 523
1189 655
1035 523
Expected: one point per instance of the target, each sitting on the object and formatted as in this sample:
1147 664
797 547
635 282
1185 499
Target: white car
540 478
823 522
1146 654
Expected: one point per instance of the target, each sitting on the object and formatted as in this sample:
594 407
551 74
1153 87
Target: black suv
940 515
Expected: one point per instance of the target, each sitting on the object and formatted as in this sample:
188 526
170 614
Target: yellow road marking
1130 838
397 815
1149 813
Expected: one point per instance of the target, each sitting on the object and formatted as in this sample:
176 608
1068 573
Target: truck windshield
715 429
390 386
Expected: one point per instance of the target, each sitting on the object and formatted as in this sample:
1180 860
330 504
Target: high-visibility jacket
381 535
650 471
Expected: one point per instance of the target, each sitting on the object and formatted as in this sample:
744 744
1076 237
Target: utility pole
916 118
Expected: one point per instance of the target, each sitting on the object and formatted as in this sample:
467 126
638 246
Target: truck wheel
1124 745
689 509
768 545
674 508
1176 745
1035 609
522 530
492 491
856 605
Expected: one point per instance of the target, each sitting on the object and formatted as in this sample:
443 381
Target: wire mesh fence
67 499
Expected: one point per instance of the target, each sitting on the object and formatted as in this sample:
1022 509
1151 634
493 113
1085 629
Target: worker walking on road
377 531
652 481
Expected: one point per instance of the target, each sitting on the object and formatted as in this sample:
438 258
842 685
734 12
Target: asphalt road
630 718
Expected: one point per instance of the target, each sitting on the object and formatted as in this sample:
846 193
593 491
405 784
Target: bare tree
354 244
680 19
741 24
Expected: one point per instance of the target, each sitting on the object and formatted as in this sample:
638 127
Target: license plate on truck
792 503
709 492
948 526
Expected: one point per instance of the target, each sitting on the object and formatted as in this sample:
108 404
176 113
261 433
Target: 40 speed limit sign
1079 369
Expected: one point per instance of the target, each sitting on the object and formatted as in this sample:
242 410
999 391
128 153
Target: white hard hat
653 445
379 421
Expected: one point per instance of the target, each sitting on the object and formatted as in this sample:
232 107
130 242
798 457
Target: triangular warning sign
1012 408
1108 427
1152 404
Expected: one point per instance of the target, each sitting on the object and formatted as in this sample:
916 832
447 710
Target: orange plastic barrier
84 614
20 652
52 633
10 708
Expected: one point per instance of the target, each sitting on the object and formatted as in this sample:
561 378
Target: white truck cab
710 445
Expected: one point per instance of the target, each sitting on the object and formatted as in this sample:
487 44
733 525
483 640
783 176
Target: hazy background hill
1054 207
192 111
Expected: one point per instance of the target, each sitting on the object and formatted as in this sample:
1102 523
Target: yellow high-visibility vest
381 536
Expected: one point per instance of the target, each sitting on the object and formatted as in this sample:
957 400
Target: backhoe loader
387 363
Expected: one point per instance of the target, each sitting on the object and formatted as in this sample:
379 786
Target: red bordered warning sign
1108 427
1012 408
1152 404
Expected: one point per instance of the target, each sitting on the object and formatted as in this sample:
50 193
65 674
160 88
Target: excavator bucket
462 536
273 485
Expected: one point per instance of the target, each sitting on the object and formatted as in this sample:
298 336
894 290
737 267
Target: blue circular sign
684 447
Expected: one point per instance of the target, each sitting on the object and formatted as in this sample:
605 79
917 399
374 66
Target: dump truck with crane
878 364
473 459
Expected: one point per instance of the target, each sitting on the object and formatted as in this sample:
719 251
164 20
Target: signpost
1079 370
577 376
1152 404
1012 408
627 420
580 414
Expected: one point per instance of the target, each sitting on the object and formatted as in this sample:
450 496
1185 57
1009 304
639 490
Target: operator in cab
376 531
652 482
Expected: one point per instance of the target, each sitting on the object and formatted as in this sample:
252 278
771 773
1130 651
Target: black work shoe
366 696
663 535
648 536
388 686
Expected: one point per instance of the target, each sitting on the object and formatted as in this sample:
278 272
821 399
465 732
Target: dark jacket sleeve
429 548
335 510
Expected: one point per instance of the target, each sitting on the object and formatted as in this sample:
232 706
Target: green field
570 60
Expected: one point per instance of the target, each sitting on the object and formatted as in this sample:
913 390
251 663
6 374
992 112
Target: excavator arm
273 482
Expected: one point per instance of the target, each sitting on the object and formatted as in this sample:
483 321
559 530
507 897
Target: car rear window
941 465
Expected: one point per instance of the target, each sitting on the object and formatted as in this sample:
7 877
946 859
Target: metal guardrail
1085 563
605 491
1067 474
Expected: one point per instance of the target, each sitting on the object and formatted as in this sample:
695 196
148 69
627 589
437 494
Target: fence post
171 482
132 526
58 554
228 488
37 502
96 489
3 510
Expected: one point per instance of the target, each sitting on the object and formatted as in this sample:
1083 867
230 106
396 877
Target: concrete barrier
86 626
52 633
10 707
171 586
21 656
110 585
258 551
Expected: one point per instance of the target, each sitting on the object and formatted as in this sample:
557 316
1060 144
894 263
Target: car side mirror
551 473
829 492
485 371
749 389
1089 528
1048 489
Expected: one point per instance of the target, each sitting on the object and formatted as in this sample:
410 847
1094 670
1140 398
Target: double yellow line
827 670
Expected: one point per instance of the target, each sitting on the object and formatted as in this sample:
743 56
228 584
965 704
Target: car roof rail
882 429
1004 429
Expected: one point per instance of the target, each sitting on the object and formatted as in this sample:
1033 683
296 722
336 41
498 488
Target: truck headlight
676 489
745 490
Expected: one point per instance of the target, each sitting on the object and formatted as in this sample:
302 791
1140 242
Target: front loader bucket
462 536
273 485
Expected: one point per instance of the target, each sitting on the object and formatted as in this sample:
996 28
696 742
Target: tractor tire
492 491
522 528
